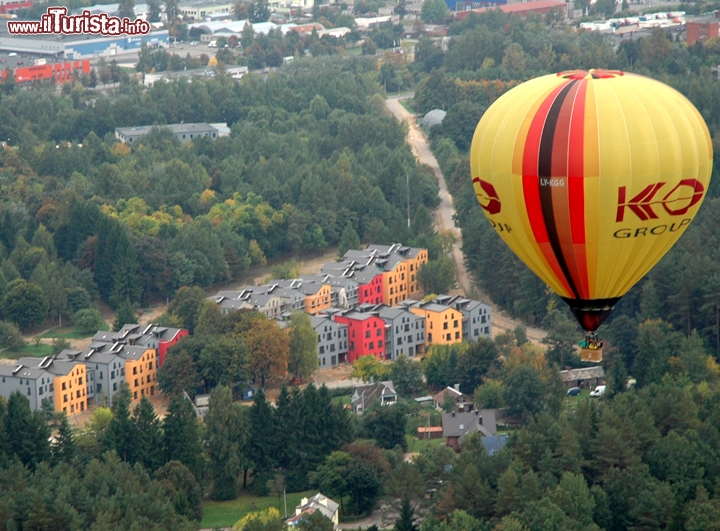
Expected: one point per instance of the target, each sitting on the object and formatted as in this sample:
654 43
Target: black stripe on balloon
545 171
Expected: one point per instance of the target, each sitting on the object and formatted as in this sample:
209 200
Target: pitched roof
366 394
586 373
462 424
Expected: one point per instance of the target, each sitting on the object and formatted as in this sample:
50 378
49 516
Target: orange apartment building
140 370
443 324
399 266
318 297
70 384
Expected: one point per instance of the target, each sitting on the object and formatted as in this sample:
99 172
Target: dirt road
446 210
445 213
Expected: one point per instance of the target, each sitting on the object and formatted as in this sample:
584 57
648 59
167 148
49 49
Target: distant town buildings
700 29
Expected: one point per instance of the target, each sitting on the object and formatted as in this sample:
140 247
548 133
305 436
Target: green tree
407 376
433 11
330 477
24 304
10 336
349 240
514 59
181 433
120 434
224 443
524 392
63 449
182 488
185 307
386 424
88 321
28 433
178 375
367 368
617 379
125 315
223 361
317 521
489 395
303 359
149 437
263 438
437 276
406 520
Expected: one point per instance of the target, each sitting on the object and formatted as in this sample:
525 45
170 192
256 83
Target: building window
372 345
135 395
64 398
80 380
430 338
445 326
150 365
115 386
449 337
367 333
99 388
457 335
136 382
379 332
399 342
134 370
322 350
64 386
455 324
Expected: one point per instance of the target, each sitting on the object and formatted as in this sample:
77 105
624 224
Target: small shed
433 118
248 393
585 378
433 432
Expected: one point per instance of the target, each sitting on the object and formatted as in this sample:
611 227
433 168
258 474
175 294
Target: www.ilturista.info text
57 21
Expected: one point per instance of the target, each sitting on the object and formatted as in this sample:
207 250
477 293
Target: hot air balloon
590 177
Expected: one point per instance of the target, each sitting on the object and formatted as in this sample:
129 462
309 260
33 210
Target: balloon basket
591 355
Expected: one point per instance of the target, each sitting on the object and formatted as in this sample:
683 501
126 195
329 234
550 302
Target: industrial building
183 132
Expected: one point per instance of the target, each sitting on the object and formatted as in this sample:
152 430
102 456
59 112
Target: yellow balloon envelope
590 177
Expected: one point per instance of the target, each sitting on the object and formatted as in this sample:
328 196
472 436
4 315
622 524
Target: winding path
446 211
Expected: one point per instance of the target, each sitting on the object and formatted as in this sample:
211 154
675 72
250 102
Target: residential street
445 212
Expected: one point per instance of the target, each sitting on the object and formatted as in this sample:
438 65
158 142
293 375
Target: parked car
598 392
213 44
573 391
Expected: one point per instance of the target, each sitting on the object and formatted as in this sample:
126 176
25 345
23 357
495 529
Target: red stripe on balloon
531 190
576 188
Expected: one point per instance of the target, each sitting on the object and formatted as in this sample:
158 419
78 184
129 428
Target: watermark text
57 21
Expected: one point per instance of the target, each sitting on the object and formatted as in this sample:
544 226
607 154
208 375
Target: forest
312 153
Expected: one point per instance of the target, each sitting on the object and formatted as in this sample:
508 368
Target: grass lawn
225 514
571 402
407 103
39 351
417 445
344 400
69 333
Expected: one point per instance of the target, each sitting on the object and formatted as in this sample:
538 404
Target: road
445 213
446 210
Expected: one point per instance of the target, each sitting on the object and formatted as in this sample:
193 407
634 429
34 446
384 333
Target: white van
598 392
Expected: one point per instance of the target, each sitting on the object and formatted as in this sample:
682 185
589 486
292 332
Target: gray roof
462 424
322 320
387 312
366 394
357 316
586 373
434 307
177 129
434 117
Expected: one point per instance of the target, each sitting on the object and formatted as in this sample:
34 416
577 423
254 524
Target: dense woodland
314 161
312 153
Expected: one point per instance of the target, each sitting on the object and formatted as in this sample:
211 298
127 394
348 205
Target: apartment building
332 346
477 316
161 338
404 330
443 324
366 334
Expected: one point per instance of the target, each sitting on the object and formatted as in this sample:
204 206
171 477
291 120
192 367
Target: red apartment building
366 334
370 286
56 72
13 6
